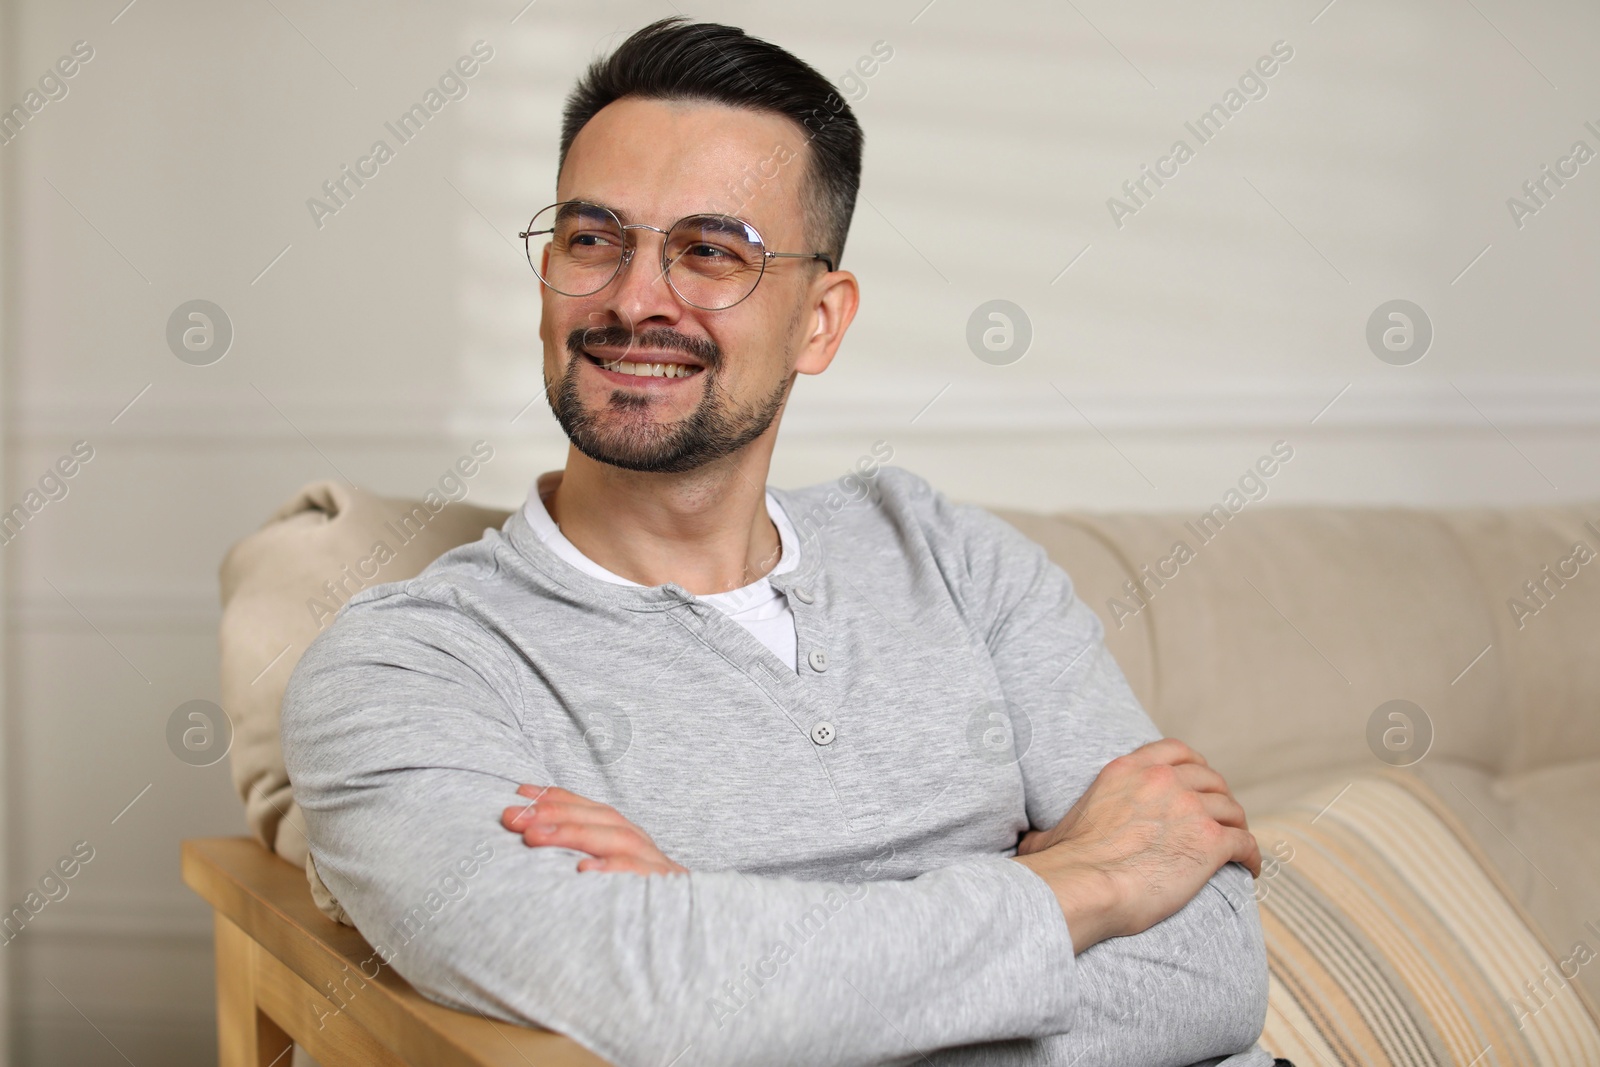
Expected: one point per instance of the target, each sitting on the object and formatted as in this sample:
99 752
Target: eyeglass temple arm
804 255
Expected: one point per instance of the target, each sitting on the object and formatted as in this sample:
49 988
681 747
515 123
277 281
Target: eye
590 239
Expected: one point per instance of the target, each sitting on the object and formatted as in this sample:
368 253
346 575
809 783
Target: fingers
1193 772
1212 787
630 865
548 815
1186 771
1168 750
556 793
1200 778
1245 850
552 810
552 804
598 839
556 817
1224 809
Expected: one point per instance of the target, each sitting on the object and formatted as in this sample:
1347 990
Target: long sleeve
405 733
1193 987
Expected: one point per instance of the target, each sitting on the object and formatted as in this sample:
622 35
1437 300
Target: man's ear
834 300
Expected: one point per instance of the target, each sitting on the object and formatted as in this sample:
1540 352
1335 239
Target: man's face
654 162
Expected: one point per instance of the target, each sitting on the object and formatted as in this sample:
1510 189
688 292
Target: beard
623 433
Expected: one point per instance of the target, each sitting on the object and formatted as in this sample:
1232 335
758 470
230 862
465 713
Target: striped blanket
1392 940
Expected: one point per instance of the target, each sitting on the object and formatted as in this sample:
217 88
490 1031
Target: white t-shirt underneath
757 607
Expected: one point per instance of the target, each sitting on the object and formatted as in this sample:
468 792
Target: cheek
751 358
557 320
777 330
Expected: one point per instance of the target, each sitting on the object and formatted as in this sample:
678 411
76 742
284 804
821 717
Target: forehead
655 161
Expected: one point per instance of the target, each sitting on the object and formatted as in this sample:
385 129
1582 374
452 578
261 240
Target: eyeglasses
711 261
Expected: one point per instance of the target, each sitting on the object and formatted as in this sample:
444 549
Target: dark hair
674 59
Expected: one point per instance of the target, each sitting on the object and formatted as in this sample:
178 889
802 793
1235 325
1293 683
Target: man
877 794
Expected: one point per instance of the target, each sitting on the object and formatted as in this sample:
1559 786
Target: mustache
708 352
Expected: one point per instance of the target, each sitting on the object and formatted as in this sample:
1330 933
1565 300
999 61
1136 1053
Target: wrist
1083 894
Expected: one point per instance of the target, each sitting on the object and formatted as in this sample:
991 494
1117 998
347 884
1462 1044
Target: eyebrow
739 228
626 219
617 211
583 210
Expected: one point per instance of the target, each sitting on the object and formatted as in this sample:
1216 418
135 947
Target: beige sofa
1274 640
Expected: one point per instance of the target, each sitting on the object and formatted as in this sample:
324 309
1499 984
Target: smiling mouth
643 369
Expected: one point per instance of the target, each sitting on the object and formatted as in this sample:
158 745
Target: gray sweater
847 827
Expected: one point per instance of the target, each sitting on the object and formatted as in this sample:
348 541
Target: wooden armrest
278 955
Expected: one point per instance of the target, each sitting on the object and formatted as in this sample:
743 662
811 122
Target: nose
640 291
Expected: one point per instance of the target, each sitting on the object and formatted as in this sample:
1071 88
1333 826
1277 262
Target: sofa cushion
1391 939
1269 640
280 586
1538 830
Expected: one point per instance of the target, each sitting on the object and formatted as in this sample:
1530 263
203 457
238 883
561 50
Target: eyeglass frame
630 246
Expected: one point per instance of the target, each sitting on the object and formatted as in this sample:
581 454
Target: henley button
803 595
818 659
822 733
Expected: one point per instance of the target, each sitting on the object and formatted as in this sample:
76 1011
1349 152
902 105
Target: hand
1147 834
1197 775
556 817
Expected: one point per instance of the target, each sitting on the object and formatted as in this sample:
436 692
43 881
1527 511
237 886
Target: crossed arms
1124 931
1138 846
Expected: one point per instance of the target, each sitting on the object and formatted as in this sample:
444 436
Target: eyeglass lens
713 261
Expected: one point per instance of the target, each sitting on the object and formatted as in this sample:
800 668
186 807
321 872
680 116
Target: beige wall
1223 315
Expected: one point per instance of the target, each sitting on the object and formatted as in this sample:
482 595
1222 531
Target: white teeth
651 370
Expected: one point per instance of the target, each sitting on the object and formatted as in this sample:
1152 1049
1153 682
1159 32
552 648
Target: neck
707 530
